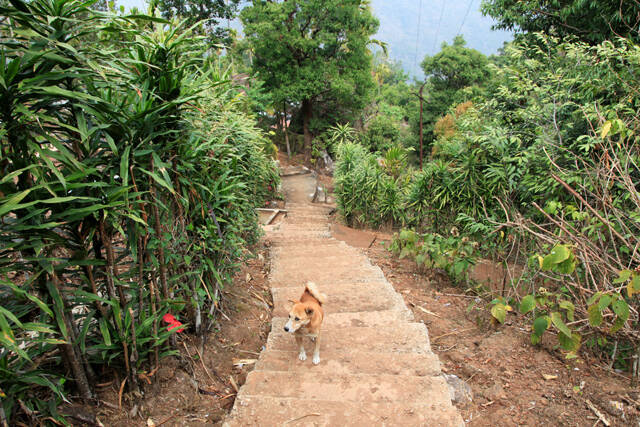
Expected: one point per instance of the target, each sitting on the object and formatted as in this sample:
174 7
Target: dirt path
376 365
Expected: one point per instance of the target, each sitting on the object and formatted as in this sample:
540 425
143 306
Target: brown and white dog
305 319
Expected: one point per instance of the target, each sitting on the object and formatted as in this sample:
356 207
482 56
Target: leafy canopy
455 66
313 51
593 21
211 12
449 73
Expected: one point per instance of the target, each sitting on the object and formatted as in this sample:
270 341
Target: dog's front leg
316 350
302 355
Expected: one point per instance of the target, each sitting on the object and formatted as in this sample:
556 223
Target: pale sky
128 4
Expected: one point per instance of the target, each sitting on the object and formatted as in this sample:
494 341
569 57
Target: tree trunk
421 100
307 113
285 127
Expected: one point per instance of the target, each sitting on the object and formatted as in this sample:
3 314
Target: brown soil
504 370
183 392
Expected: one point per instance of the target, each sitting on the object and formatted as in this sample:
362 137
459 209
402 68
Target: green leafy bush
129 184
367 188
455 255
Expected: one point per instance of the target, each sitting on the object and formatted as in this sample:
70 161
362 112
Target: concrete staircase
376 364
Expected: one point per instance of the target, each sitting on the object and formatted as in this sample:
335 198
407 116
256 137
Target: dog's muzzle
289 327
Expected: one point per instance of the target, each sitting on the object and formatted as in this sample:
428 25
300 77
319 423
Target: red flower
173 322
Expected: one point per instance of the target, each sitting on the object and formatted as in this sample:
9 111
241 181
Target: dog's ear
309 311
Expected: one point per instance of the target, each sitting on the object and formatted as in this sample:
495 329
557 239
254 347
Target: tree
449 72
210 11
313 53
590 20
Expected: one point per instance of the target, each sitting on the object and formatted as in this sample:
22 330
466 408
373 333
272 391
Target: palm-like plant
125 194
341 134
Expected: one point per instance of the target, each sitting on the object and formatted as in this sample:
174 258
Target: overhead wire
415 55
465 16
435 40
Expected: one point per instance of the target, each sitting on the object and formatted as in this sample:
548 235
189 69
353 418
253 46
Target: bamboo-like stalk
111 289
69 353
94 289
133 374
198 315
111 274
152 298
158 230
140 276
142 245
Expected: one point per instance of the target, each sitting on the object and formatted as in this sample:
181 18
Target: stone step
310 243
315 206
376 365
307 237
325 282
325 245
348 388
292 226
273 411
307 212
352 362
339 274
345 261
352 297
304 217
367 319
411 337
320 252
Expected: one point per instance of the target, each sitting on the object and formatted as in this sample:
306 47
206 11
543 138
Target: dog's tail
312 288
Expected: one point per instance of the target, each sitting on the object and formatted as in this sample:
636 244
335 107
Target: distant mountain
399 28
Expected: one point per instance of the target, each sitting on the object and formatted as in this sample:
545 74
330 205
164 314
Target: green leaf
568 305
540 325
11 316
104 330
499 311
556 319
124 166
595 316
535 339
567 266
147 18
38 327
44 307
572 343
634 285
58 308
617 325
605 129
159 180
593 298
558 254
405 252
13 202
82 337
604 302
623 276
527 304
621 309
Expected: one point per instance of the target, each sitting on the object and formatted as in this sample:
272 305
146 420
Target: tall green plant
130 178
